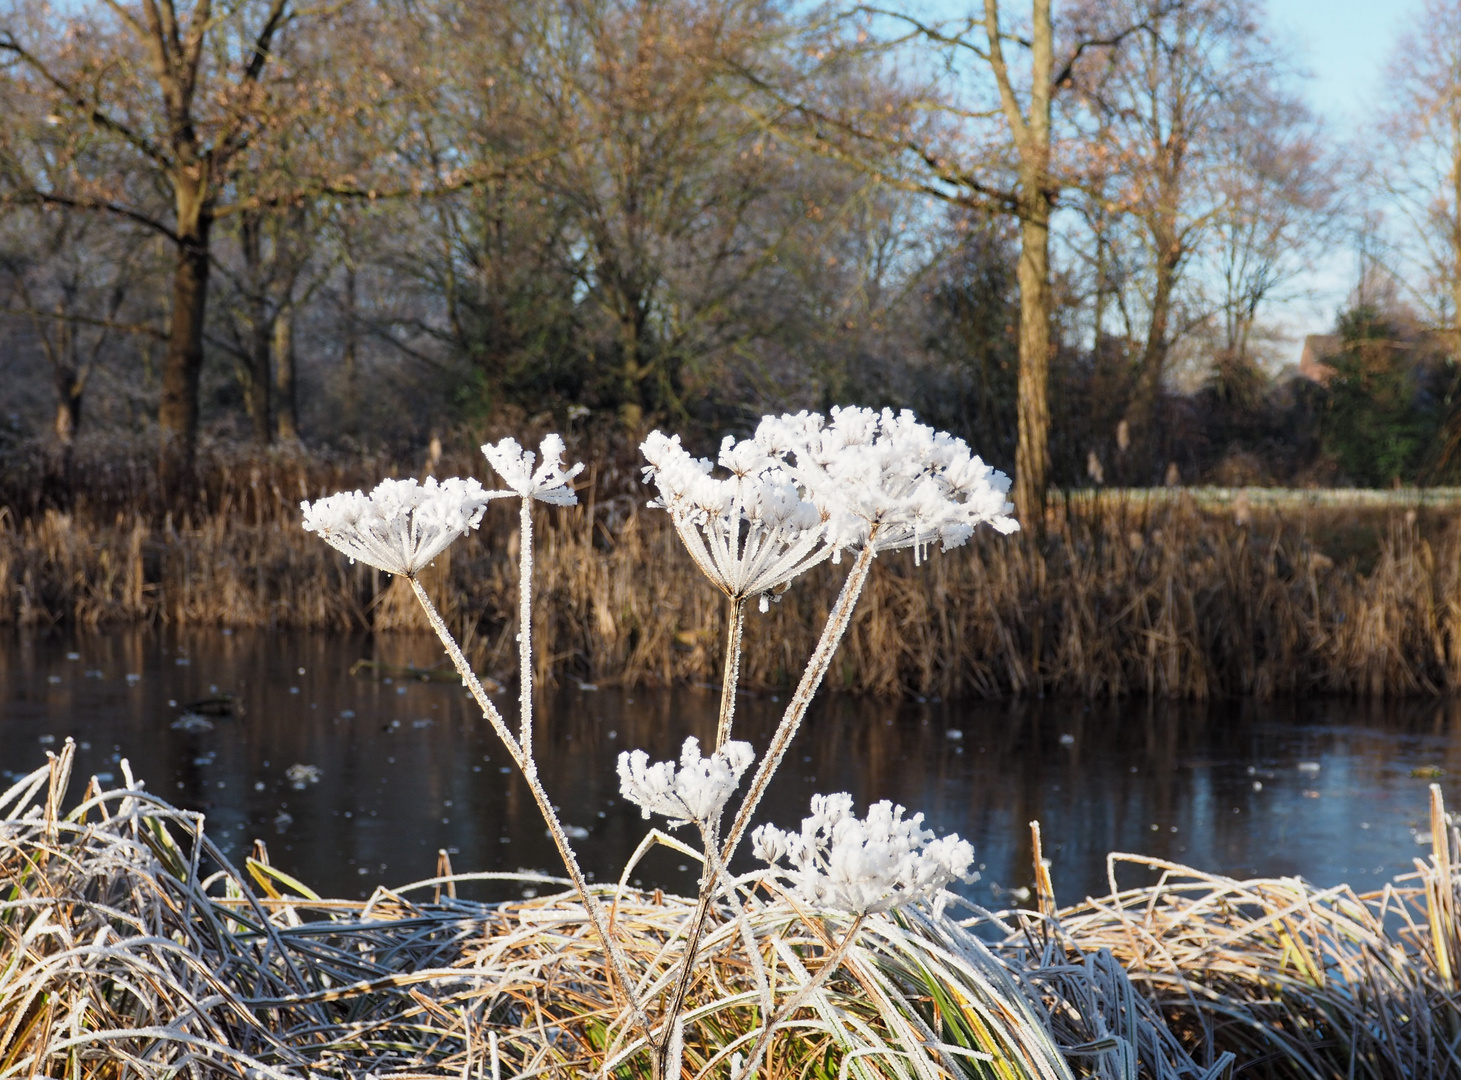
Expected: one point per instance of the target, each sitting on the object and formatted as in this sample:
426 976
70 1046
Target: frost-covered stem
796 709
708 880
732 674
617 961
795 1001
464 669
525 626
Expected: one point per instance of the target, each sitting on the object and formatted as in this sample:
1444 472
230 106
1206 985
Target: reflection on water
355 781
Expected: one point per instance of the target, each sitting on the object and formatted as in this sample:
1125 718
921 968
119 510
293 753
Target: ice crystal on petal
753 531
859 865
550 483
867 470
401 525
696 791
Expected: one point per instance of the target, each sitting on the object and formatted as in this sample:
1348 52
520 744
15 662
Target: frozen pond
1330 789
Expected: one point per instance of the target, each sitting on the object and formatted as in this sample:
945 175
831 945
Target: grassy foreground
130 947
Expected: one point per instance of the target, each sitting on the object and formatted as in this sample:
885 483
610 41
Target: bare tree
192 97
1420 137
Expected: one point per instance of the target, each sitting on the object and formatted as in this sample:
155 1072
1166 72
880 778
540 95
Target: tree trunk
69 385
1141 411
1032 454
288 403
350 360
177 414
257 391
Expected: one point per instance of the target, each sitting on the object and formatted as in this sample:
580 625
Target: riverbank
133 939
1171 593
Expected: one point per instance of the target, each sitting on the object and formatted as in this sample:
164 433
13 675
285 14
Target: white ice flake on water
885 471
696 791
400 526
549 483
750 532
860 866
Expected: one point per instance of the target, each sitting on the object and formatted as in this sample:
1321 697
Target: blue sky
1346 46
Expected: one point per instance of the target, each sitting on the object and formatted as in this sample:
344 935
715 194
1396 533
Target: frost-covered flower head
401 525
550 483
859 865
696 791
750 532
866 469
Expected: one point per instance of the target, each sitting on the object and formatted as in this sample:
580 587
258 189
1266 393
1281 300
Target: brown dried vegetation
1121 595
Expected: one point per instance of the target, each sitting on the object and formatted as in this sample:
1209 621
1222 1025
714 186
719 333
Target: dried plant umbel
803 490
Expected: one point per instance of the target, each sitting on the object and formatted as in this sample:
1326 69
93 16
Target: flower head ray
549 483
752 532
696 791
400 526
863 865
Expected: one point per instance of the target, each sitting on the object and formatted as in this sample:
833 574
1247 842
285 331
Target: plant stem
732 676
708 880
617 962
525 627
821 659
795 1002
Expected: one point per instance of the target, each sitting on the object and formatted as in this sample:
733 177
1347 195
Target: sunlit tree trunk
284 371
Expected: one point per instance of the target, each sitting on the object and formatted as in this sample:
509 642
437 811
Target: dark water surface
1323 788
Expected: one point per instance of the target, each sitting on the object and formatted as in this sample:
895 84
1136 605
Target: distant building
1318 350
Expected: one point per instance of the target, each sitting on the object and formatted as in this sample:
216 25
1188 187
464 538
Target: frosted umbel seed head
862 865
752 531
401 525
549 483
885 476
696 791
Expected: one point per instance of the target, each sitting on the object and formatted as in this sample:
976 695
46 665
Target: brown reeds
1125 594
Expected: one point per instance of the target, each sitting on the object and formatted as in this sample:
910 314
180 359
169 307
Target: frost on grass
885 476
860 866
549 483
750 532
401 525
696 791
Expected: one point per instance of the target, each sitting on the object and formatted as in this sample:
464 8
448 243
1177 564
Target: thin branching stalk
525 626
731 678
837 623
529 770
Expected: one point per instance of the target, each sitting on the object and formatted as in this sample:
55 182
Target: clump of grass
1295 980
132 947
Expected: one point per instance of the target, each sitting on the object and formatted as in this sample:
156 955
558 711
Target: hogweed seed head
696 791
751 532
860 866
401 525
885 476
550 483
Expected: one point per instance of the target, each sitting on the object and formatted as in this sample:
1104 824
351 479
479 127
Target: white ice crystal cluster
549 483
401 525
696 791
750 532
869 470
860 866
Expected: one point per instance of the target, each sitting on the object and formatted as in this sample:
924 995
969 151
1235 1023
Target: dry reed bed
1116 598
120 958
1299 982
